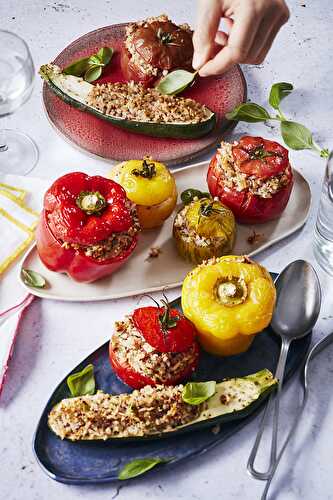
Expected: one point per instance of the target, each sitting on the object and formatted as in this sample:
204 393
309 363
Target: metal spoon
316 349
296 312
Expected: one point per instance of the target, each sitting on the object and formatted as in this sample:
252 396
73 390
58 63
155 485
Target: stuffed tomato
154 345
253 177
154 47
88 227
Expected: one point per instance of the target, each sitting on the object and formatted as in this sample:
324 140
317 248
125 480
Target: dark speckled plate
99 462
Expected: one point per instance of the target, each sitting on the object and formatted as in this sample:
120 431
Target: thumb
208 19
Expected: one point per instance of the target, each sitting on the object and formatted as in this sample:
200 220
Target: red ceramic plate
98 137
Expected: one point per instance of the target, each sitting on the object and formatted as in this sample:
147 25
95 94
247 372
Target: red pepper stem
91 202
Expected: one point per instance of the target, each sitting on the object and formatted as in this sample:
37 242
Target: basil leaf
296 135
95 61
33 279
77 68
195 393
248 112
83 382
93 73
104 55
278 92
140 466
175 82
90 67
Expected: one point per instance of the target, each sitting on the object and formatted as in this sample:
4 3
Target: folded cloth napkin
21 201
17 224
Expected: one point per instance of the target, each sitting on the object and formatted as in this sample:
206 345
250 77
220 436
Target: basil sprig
82 383
295 135
91 67
33 279
195 393
140 466
175 82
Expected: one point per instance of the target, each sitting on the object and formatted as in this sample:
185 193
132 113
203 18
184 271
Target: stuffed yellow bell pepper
229 300
151 186
203 229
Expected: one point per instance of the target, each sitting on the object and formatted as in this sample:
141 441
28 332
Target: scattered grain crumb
254 237
154 252
216 429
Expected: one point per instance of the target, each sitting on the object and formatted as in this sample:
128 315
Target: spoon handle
279 375
316 349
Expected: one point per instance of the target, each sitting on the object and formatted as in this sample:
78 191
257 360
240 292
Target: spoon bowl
298 300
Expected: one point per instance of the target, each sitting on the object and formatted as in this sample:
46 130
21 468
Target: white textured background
55 336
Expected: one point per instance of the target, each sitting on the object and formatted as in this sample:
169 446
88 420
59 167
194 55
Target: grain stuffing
233 178
149 411
132 350
113 246
132 101
190 235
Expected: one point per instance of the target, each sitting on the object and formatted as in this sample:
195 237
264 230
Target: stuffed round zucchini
203 229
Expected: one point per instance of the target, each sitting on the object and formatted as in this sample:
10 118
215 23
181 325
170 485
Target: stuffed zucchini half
132 106
161 411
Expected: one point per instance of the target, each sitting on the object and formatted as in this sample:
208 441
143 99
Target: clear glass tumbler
323 240
18 152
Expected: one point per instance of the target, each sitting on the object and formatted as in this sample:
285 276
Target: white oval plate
142 275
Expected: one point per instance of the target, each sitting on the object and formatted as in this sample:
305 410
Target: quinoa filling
145 67
132 101
151 410
233 178
131 349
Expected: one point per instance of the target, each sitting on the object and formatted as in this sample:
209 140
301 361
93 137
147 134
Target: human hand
252 27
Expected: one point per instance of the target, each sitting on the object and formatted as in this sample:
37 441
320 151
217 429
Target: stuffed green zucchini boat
161 411
132 106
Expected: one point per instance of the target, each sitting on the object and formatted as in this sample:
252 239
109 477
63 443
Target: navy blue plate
100 462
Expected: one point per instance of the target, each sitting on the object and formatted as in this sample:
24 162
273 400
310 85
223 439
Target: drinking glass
323 240
18 152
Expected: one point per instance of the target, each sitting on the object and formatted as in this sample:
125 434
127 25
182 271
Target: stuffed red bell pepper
154 345
253 177
88 227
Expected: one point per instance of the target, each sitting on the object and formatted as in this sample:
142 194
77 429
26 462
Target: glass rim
27 56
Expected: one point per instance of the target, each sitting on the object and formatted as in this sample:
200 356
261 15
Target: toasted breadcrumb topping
149 411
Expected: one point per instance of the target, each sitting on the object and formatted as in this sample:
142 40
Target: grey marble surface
54 336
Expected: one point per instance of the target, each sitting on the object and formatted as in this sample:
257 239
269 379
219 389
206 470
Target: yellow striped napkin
17 224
